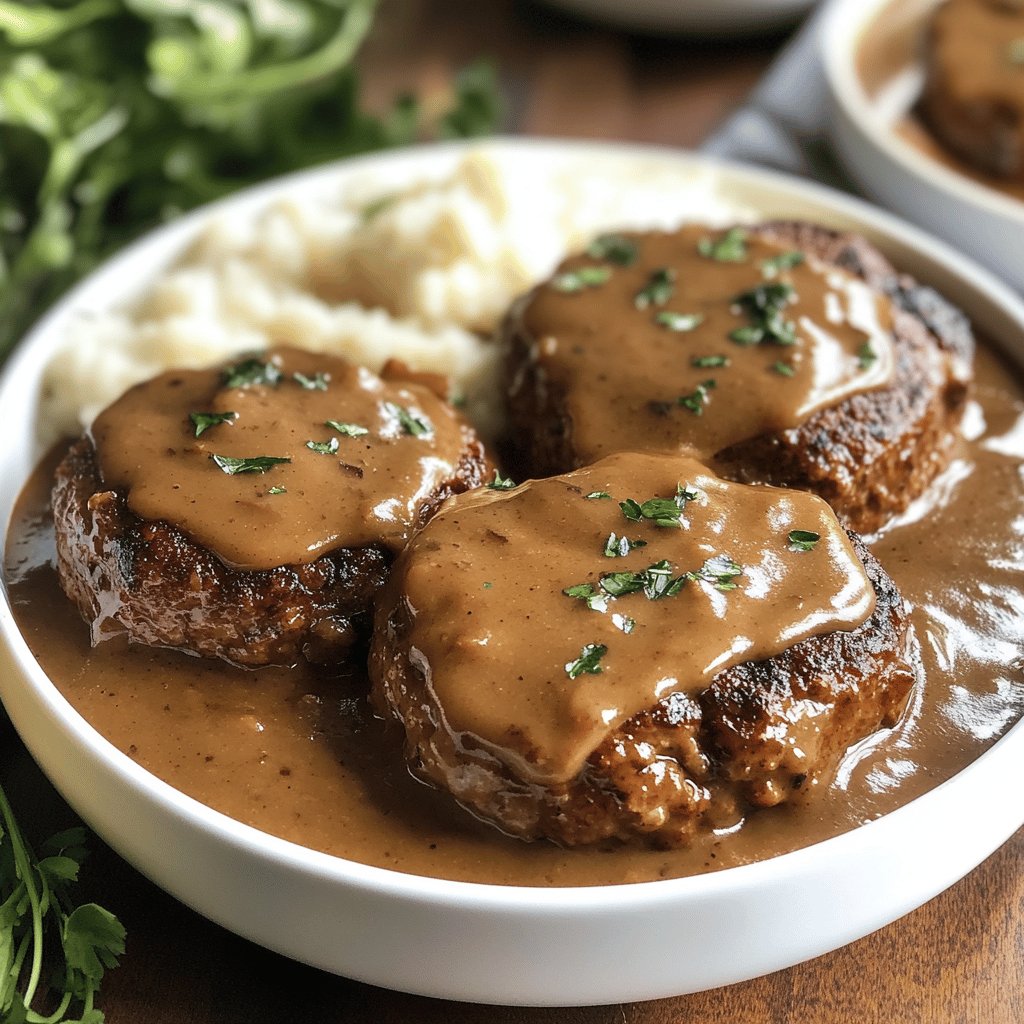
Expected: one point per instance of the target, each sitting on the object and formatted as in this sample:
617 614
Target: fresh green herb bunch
37 915
116 115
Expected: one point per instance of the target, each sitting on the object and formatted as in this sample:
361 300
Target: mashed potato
376 268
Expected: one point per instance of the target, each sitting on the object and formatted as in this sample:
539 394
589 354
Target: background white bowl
981 221
693 17
489 943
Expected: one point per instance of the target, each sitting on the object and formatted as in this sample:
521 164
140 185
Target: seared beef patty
760 733
154 578
869 454
973 99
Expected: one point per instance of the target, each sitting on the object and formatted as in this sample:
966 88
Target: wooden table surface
960 958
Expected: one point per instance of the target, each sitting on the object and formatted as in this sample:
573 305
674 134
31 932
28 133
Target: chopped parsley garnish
802 540
318 382
698 398
784 369
501 483
618 547
256 464
679 322
764 305
730 248
720 570
775 265
417 426
202 421
708 362
251 372
659 289
278 490
487 586
346 429
588 662
571 281
623 622
656 581
323 447
866 356
684 495
377 206
660 511
613 249
596 495
595 600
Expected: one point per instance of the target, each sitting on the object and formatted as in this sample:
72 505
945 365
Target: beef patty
973 98
639 373
475 622
171 530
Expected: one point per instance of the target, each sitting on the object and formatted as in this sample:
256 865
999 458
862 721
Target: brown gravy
889 64
296 753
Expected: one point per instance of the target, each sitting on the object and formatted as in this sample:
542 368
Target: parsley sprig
660 511
730 248
36 912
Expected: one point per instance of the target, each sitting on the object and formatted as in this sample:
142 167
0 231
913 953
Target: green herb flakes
251 373
318 382
589 661
730 248
624 622
324 447
618 547
775 265
866 356
589 594
256 464
698 398
660 511
803 540
613 249
784 369
202 421
346 429
659 289
278 490
501 483
597 495
709 362
679 322
764 305
720 571
417 426
572 281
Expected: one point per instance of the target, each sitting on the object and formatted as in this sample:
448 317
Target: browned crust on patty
869 456
151 581
761 734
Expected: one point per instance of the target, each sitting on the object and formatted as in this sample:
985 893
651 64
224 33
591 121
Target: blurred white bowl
693 17
487 943
980 221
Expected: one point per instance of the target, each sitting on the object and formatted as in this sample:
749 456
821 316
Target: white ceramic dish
693 17
980 221
489 943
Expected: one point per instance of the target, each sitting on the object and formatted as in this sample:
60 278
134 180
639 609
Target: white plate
981 221
694 17
490 943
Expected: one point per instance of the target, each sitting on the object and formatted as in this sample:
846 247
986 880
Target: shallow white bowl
491 943
693 17
980 221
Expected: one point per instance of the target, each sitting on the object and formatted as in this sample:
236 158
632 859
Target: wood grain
958 959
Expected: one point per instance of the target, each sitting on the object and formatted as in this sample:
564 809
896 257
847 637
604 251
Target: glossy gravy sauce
504 649
296 753
695 340
891 70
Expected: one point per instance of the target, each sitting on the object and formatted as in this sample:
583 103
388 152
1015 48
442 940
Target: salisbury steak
785 354
726 658
973 98
251 512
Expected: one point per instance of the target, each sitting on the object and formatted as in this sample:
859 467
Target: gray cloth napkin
784 123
